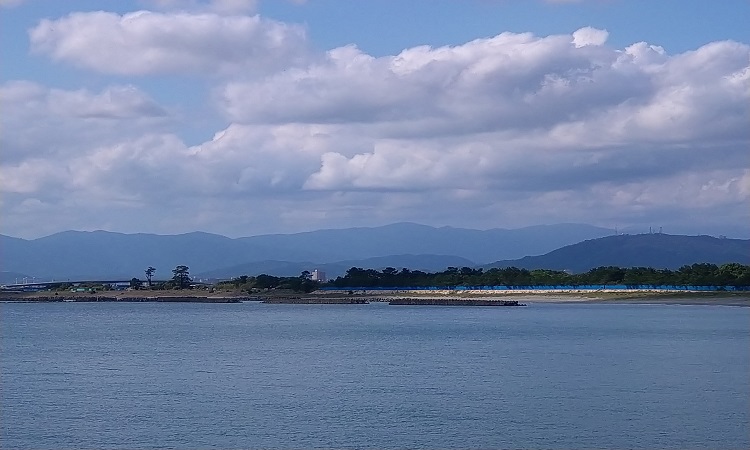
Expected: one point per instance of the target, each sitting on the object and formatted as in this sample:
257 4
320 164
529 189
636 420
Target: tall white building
318 275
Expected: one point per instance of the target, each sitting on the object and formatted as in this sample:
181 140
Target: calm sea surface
373 376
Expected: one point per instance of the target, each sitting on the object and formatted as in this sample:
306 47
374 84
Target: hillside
648 250
479 246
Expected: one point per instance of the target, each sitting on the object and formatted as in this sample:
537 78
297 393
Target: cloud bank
511 130
145 42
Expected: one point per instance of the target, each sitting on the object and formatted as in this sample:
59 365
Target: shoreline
467 297
601 296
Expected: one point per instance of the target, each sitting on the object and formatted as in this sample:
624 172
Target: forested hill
656 250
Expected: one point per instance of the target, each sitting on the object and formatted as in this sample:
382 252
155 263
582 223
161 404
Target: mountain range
107 255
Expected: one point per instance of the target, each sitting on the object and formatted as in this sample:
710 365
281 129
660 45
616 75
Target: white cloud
589 36
145 42
488 83
47 122
118 102
507 131
590 95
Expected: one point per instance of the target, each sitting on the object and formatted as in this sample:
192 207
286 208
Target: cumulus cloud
514 83
146 42
505 131
589 36
47 122
485 84
563 108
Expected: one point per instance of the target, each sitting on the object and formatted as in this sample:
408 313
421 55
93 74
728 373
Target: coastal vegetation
732 275
301 283
729 277
701 274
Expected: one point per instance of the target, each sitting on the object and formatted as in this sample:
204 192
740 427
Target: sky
243 117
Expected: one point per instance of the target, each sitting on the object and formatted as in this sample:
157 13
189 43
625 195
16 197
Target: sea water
250 375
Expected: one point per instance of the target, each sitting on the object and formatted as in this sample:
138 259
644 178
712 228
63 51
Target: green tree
149 274
264 281
734 274
181 276
302 283
699 274
135 283
605 275
240 281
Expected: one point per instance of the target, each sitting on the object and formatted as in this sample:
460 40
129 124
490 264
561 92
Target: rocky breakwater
453 302
316 300
199 299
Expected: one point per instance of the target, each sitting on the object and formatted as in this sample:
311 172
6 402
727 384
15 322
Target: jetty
453 302
315 301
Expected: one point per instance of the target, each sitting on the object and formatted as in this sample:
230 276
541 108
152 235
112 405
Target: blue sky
246 117
388 26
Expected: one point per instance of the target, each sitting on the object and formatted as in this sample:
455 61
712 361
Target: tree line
700 274
301 283
180 279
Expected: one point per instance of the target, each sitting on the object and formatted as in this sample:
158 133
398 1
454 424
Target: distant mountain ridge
577 248
480 246
657 250
102 254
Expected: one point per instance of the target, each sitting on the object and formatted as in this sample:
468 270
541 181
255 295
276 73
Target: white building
318 275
